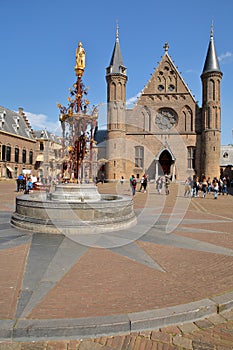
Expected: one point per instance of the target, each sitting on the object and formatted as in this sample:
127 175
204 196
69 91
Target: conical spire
211 61
116 64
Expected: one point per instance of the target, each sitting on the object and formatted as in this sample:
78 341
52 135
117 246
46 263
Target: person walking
187 189
208 185
141 183
224 186
220 185
133 185
130 181
145 181
167 184
204 187
196 186
159 184
215 188
20 181
29 185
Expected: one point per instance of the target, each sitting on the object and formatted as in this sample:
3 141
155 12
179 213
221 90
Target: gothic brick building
24 150
17 143
166 132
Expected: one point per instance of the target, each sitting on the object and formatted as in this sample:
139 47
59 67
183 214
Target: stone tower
211 113
116 103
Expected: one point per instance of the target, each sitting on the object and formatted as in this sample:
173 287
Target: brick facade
15 142
165 132
22 149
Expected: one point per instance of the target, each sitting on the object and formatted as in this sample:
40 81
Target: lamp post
78 125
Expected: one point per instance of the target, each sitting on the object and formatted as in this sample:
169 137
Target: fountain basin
75 192
73 209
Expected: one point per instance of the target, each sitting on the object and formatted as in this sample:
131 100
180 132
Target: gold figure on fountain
80 60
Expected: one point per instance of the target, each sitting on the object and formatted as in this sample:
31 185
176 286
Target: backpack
134 182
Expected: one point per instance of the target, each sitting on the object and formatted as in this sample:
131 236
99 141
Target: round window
160 87
166 119
171 87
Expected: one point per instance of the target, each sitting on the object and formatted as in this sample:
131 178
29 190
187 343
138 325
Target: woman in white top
215 188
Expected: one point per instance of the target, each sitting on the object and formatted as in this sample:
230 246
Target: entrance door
165 161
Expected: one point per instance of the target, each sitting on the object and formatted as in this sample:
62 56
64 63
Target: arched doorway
165 161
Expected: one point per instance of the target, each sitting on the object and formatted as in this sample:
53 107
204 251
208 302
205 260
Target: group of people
25 183
193 186
143 183
163 181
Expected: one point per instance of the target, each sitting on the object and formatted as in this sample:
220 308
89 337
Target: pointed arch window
113 91
209 118
188 119
191 157
185 121
119 93
139 156
216 117
146 119
218 90
211 90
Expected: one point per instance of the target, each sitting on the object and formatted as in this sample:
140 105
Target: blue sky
38 40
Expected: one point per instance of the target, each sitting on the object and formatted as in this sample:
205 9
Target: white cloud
132 100
40 121
225 57
191 71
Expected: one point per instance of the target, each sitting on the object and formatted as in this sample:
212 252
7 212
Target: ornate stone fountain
75 206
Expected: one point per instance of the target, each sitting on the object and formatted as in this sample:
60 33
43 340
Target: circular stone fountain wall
73 208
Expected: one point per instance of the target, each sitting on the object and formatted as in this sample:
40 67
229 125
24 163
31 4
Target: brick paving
191 272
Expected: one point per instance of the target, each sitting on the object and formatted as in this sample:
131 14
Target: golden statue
80 59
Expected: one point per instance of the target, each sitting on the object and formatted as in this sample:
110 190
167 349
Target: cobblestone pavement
212 333
181 251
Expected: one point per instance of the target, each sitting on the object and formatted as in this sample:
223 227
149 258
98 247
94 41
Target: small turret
116 99
116 65
211 61
211 112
